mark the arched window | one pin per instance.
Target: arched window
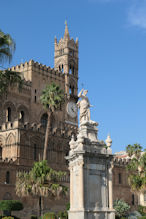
(44, 120)
(59, 68)
(120, 178)
(7, 177)
(133, 199)
(21, 116)
(70, 90)
(62, 69)
(8, 114)
(35, 152)
(70, 70)
(35, 98)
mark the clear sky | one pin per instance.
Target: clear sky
(112, 55)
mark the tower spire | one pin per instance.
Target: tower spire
(66, 33)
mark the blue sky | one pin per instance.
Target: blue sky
(112, 55)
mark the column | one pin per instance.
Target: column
(81, 185)
(110, 187)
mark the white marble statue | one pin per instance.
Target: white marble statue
(84, 106)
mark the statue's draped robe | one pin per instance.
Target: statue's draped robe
(84, 106)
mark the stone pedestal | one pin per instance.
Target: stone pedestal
(90, 176)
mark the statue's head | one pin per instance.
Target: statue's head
(85, 92)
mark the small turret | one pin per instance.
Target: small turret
(66, 33)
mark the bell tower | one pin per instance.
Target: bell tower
(66, 61)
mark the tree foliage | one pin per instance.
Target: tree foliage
(8, 79)
(10, 205)
(51, 98)
(41, 180)
(121, 207)
(136, 167)
(7, 47)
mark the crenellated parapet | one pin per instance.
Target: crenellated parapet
(19, 125)
(117, 161)
(63, 129)
(31, 66)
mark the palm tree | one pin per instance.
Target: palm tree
(130, 150)
(51, 98)
(7, 77)
(7, 47)
(40, 181)
(137, 150)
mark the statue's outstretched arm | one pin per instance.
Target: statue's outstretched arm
(79, 95)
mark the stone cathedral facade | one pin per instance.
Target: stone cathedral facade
(23, 121)
(23, 118)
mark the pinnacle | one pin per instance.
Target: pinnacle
(66, 33)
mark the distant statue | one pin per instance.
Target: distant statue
(84, 106)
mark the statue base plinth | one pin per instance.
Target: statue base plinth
(89, 130)
(92, 214)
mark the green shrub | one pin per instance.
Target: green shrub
(117, 217)
(68, 206)
(10, 205)
(143, 217)
(49, 215)
(63, 214)
(142, 210)
(121, 208)
(9, 217)
(34, 217)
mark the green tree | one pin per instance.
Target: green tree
(8, 78)
(121, 208)
(7, 47)
(40, 181)
(136, 168)
(10, 205)
(130, 150)
(51, 98)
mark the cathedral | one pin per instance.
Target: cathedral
(23, 121)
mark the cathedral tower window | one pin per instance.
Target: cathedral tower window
(62, 69)
(7, 177)
(21, 116)
(59, 68)
(133, 199)
(70, 69)
(35, 98)
(120, 178)
(8, 114)
(44, 120)
(70, 90)
(35, 152)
